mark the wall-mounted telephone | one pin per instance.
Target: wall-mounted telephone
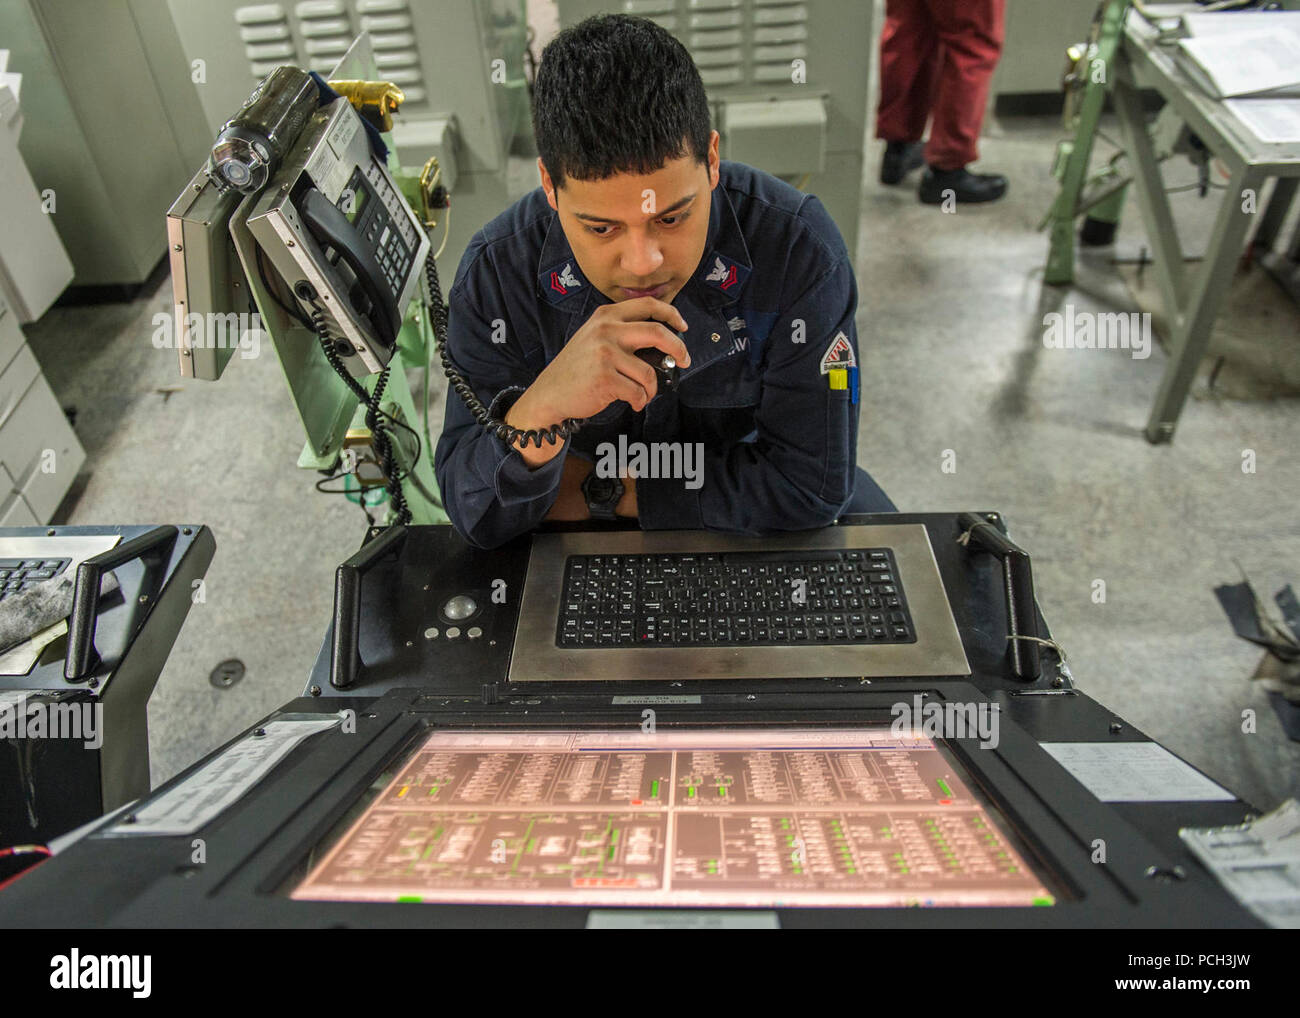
(335, 227)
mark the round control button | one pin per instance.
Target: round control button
(474, 632)
(431, 633)
(453, 632)
(462, 606)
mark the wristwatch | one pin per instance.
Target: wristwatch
(602, 494)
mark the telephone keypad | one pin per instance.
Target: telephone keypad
(385, 225)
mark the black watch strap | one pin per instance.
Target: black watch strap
(602, 494)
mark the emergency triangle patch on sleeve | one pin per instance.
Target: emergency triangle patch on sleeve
(839, 354)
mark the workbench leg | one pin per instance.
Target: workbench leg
(1193, 329)
(1074, 174)
(1275, 215)
(1152, 200)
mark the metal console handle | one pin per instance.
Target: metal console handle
(1018, 581)
(85, 597)
(345, 650)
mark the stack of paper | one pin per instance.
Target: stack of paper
(1244, 63)
(1221, 23)
(1257, 862)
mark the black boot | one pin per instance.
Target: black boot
(901, 157)
(965, 186)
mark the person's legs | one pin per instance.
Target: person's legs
(972, 33)
(908, 70)
(868, 497)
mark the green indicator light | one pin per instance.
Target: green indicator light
(943, 785)
(722, 790)
(409, 897)
(1044, 901)
(690, 792)
(654, 789)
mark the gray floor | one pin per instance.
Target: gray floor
(950, 325)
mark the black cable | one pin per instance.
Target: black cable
(502, 430)
(380, 438)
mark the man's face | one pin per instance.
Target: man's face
(639, 235)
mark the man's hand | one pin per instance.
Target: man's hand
(571, 503)
(597, 366)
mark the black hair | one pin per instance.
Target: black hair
(617, 94)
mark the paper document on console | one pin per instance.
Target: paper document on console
(1258, 862)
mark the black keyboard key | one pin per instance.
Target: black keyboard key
(728, 600)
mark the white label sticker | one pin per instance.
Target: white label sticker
(676, 919)
(186, 807)
(1135, 772)
(664, 698)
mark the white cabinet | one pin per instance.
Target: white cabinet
(40, 454)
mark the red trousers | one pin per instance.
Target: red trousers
(937, 57)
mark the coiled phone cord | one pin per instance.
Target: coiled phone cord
(510, 435)
(380, 436)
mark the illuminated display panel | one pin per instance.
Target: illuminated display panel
(756, 818)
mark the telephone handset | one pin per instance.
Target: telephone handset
(369, 293)
(337, 229)
(665, 366)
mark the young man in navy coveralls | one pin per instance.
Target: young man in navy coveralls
(637, 233)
